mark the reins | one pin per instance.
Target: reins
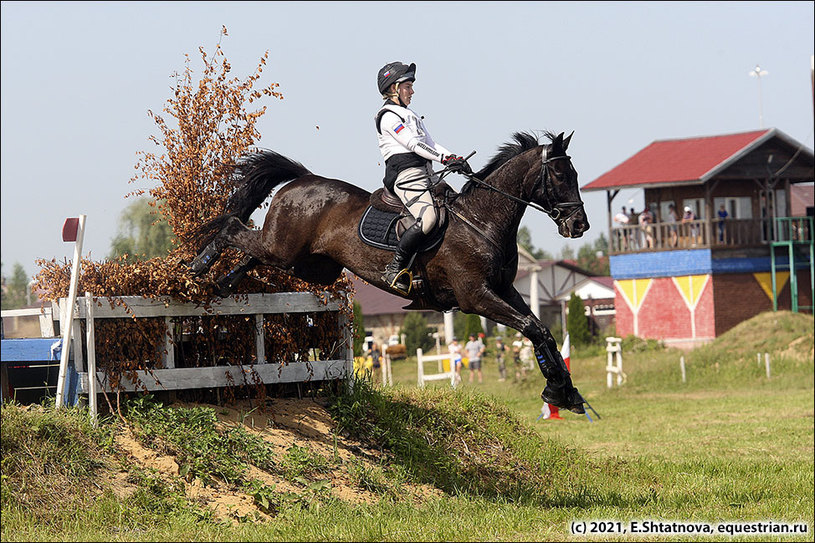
(555, 209)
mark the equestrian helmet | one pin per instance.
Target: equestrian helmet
(394, 72)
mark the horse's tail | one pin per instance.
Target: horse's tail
(255, 176)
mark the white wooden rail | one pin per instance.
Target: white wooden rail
(171, 378)
(424, 377)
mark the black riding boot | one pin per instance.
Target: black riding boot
(396, 273)
(559, 390)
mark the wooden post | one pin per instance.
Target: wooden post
(420, 364)
(682, 367)
(169, 343)
(767, 363)
(69, 313)
(260, 344)
(91, 343)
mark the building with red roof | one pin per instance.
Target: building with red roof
(685, 273)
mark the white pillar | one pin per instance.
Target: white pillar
(448, 327)
(534, 300)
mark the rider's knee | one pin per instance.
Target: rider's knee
(427, 220)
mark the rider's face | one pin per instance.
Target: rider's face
(405, 92)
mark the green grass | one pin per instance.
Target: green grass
(727, 445)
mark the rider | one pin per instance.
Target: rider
(408, 151)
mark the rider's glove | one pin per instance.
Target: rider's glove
(456, 164)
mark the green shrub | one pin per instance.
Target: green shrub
(577, 323)
(417, 333)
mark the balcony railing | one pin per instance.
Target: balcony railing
(699, 234)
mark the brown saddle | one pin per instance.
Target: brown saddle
(385, 200)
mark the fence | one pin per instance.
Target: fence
(170, 370)
(424, 377)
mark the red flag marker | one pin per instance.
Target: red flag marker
(550, 411)
(70, 229)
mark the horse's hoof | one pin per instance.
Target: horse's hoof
(225, 289)
(203, 261)
(564, 398)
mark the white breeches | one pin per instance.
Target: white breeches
(412, 186)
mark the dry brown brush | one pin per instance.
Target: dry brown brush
(190, 174)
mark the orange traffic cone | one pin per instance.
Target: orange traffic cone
(550, 411)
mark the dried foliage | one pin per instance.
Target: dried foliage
(191, 183)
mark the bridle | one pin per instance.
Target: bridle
(555, 209)
(552, 207)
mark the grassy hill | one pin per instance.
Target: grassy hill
(728, 445)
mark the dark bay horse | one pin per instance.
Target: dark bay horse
(310, 231)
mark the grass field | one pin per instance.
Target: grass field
(727, 446)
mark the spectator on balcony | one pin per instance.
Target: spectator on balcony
(722, 216)
(690, 217)
(673, 218)
(633, 237)
(622, 219)
(647, 227)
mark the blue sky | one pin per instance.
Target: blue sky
(79, 77)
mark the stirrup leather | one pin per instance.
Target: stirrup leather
(399, 274)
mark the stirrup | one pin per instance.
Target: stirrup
(398, 288)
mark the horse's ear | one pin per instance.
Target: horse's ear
(557, 143)
(566, 141)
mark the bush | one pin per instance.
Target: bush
(472, 326)
(416, 333)
(359, 330)
(577, 323)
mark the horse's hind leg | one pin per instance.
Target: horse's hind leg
(233, 234)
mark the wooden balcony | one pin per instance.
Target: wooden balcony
(706, 234)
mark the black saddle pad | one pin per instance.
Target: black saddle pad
(378, 229)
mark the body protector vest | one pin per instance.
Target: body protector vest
(404, 141)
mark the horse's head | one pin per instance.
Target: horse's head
(557, 191)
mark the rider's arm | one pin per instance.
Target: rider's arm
(408, 138)
(429, 140)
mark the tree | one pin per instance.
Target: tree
(16, 294)
(591, 256)
(525, 241)
(472, 326)
(213, 130)
(577, 323)
(567, 253)
(359, 330)
(143, 232)
(459, 324)
(417, 333)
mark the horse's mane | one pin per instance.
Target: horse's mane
(523, 141)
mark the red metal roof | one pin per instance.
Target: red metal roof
(674, 161)
(375, 301)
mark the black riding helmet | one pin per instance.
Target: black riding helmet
(394, 72)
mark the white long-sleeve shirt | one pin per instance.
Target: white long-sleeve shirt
(402, 131)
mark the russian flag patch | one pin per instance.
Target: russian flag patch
(398, 128)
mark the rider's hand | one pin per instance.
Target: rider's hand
(457, 164)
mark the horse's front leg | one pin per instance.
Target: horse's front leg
(229, 282)
(512, 311)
